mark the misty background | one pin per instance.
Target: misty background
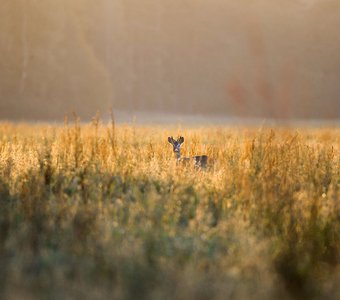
(261, 58)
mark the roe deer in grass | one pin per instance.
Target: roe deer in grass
(199, 161)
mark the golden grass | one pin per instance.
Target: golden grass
(103, 211)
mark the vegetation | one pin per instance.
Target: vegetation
(95, 211)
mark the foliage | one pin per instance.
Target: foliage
(103, 211)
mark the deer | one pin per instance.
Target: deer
(199, 161)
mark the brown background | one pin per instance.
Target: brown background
(275, 59)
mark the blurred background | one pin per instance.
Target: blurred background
(218, 58)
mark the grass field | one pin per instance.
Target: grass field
(98, 211)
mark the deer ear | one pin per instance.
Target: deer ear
(170, 140)
(181, 140)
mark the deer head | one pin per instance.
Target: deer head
(176, 145)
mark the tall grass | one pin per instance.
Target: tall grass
(103, 211)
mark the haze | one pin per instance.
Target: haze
(272, 59)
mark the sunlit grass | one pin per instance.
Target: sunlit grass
(103, 211)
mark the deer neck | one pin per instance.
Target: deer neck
(178, 155)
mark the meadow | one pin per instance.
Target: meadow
(102, 211)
